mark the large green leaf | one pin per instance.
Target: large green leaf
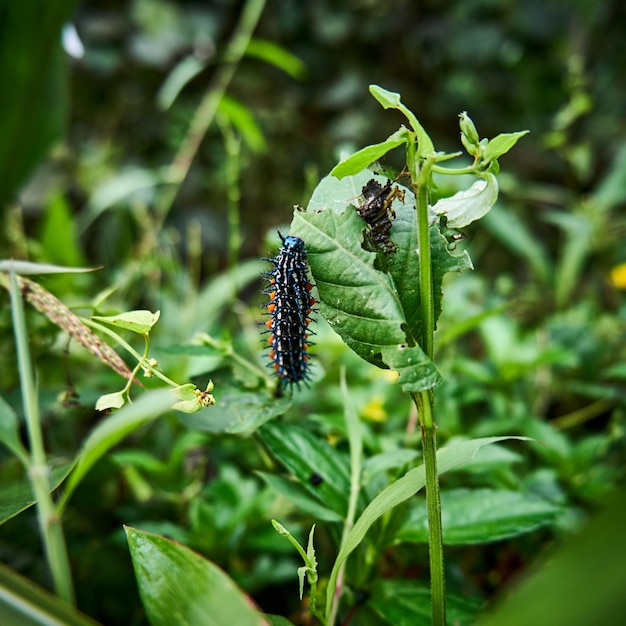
(372, 302)
(178, 586)
(33, 102)
(22, 603)
(399, 491)
(480, 516)
(407, 603)
(306, 456)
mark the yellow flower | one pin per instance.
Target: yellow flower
(618, 276)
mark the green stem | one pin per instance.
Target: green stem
(38, 470)
(205, 113)
(425, 400)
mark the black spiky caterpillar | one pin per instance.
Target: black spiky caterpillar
(290, 307)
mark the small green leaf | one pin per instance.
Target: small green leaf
(241, 117)
(387, 99)
(304, 455)
(140, 322)
(399, 491)
(276, 55)
(178, 586)
(501, 144)
(467, 206)
(179, 76)
(391, 100)
(115, 400)
(366, 156)
(472, 516)
(23, 603)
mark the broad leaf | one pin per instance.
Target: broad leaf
(178, 586)
(407, 603)
(374, 304)
(480, 516)
(321, 470)
(467, 206)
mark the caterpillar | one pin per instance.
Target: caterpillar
(290, 305)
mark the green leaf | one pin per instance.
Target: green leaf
(9, 431)
(174, 83)
(391, 100)
(469, 205)
(480, 516)
(376, 312)
(178, 586)
(140, 322)
(277, 620)
(23, 603)
(501, 144)
(59, 237)
(407, 603)
(241, 117)
(304, 455)
(115, 400)
(276, 55)
(236, 413)
(25, 268)
(110, 431)
(17, 496)
(33, 106)
(399, 491)
(366, 156)
(387, 99)
(295, 493)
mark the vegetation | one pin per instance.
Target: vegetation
(457, 457)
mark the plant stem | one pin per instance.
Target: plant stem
(38, 470)
(425, 400)
(205, 113)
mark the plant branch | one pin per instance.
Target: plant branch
(205, 113)
(38, 470)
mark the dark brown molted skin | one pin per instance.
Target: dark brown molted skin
(377, 212)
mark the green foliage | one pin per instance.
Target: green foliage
(191, 131)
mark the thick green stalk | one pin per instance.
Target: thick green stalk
(424, 400)
(38, 470)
